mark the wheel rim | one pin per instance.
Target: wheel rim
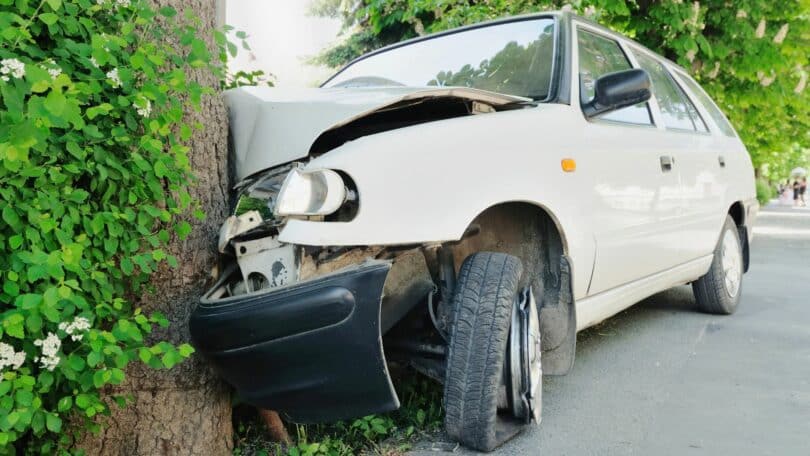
(523, 373)
(731, 261)
(534, 357)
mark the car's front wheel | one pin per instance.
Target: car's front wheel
(493, 379)
(718, 291)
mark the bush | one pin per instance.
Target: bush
(93, 178)
(764, 192)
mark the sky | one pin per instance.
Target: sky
(282, 37)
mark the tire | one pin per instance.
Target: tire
(481, 313)
(718, 291)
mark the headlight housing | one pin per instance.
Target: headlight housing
(310, 193)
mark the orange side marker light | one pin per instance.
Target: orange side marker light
(569, 165)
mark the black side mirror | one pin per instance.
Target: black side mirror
(618, 90)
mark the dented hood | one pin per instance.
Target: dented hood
(272, 126)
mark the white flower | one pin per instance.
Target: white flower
(113, 76)
(93, 62)
(802, 83)
(760, 32)
(9, 357)
(742, 14)
(765, 81)
(50, 350)
(75, 328)
(690, 55)
(781, 34)
(116, 3)
(54, 72)
(715, 71)
(145, 110)
(567, 8)
(590, 11)
(12, 67)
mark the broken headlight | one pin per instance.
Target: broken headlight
(309, 193)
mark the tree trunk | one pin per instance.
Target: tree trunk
(185, 410)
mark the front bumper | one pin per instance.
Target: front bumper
(312, 351)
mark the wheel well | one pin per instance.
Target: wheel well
(737, 212)
(532, 234)
(524, 230)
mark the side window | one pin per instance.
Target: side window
(599, 56)
(676, 109)
(704, 99)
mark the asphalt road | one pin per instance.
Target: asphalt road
(662, 379)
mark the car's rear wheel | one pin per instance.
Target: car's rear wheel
(718, 291)
(493, 378)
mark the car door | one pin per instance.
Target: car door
(633, 193)
(708, 169)
(687, 140)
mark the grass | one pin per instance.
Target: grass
(388, 434)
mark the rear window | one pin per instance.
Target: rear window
(704, 99)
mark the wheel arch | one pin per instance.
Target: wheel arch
(737, 213)
(532, 232)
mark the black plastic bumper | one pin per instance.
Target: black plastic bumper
(311, 351)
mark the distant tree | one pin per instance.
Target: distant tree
(750, 55)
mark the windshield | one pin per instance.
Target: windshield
(514, 58)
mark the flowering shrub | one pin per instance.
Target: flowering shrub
(93, 178)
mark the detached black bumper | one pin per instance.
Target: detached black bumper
(312, 351)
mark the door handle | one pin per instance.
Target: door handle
(667, 162)
(722, 161)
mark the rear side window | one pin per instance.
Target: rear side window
(704, 99)
(599, 56)
(677, 110)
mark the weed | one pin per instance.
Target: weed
(387, 434)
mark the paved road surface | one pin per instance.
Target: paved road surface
(661, 379)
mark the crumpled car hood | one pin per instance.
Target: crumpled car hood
(272, 126)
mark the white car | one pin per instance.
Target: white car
(464, 203)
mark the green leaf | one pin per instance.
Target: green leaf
(76, 362)
(13, 325)
(183, 229)
(55, 103)
(185, 350)
(83, 401)
(28, 301)
(126, 266)
(160, 169)
(48, 18)
(11, 217)
(15, 241)
(53, 422)
(24, 397)
(55, 4)
(65, 404)
(94, 358)
(168, 11)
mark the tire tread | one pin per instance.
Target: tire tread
(481, 314)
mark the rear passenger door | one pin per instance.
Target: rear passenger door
(692, 148)
(632, 195)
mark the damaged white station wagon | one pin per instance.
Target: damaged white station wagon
(464, 203)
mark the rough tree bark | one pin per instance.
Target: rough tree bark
(185, 410)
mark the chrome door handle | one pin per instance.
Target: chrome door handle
(667, 162)
(722, 161)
